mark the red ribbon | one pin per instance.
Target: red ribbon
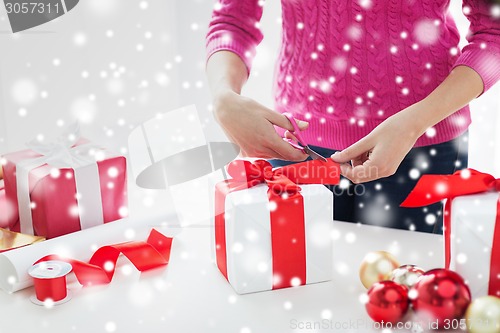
(54, 289)
(287, 221)
(434, 188)
(153, 253)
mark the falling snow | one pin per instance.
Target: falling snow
(115, 87)
(427, 32)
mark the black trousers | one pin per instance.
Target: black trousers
(377, 202)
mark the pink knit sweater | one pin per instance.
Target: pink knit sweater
(346, 65)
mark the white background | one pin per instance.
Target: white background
(113, 64)
(160, 45)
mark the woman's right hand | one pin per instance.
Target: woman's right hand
(250, 125)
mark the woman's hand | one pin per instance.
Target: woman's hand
(250, 125)
(247, 123)
(380, 153)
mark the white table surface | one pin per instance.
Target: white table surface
(190, 295)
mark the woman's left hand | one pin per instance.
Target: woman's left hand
(380, 153)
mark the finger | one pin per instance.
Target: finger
(286, 150)
(352, 152)
(290, 136)
(358, 174)
(370, 170)
(282, 121)
(279, 156)
(265, 153)
(358, 161)
(302, 124)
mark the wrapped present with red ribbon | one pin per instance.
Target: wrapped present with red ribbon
(271, 233)
(64, 186)
(3, 204)
(471, 224)
(8, 213)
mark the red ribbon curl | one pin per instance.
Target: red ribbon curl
(153, 253)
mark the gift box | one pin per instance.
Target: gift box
(64, 186)
(3, 204)
(6, 209)
(271, 233)
(471, 225)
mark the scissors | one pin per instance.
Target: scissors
(301, 144)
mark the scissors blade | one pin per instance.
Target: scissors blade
(314, 155)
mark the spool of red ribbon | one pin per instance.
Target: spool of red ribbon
(50, 282)
(49, 273)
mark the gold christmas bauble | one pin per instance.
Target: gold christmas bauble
(483, 315)
(377, 266)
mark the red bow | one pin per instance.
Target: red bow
(434, 188)
(246, 174)
(287, 222)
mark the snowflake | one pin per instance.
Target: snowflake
(414, 173)
(110, 326)
(431, 132)
(354, 32)
(24, 91)
(495, 11)
(366, 4)
(461, 258)
(80, 39)
(426, 32)
(326, 314)
(350, 237)
(295, 281)
(325, 86)
(430, 219)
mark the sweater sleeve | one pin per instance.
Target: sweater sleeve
(235, 27)
(482, 53)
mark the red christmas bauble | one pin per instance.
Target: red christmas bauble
(387, 302)
(440, 295)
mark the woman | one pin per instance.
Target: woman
(381, 85)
